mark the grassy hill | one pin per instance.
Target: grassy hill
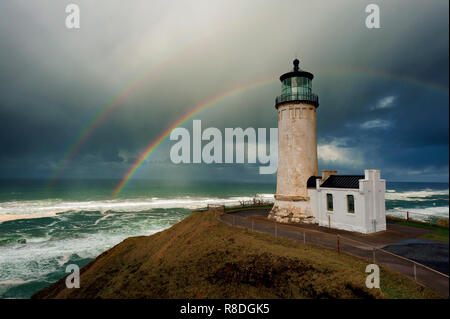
(202, 258)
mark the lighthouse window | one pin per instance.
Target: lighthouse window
(296, 82)
(351, 204)
(330, 202)
(286, 86)
(296, 85)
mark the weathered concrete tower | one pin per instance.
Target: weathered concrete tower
(297, 147)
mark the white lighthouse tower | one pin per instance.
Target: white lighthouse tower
(297, 147)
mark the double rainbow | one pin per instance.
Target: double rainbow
(103, 113)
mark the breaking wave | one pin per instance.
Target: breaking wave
(49, 208)
(421, 195)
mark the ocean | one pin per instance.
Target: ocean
(45, 227)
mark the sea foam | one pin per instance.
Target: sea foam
(47, 208)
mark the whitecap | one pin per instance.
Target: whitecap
(422, 195)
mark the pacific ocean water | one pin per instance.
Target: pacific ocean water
(45, 227)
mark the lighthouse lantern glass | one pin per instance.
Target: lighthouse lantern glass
(296, 85)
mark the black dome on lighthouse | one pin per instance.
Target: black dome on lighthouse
(297, 72)
(296, 87)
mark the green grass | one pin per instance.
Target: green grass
(439, 233)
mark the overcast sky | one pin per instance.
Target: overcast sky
(384, 95)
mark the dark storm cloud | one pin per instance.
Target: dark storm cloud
(54, 81)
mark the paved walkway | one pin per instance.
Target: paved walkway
(396, 239)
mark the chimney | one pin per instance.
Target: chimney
(372, 174)
(327, 173)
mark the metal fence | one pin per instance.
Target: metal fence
(414, 216)
(422, 274)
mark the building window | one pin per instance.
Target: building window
(351, 204)
(330, 202)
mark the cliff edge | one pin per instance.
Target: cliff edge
(203, 258)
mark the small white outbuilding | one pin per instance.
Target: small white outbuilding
(349, 202)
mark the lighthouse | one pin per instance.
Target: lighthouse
(297, 147)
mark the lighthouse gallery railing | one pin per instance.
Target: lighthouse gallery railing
(309, 97)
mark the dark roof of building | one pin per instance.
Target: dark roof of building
(342, 181)
(312, 181)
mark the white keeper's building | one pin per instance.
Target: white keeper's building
(350, 202)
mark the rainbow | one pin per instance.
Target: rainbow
(210, 102)
(198, 108)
